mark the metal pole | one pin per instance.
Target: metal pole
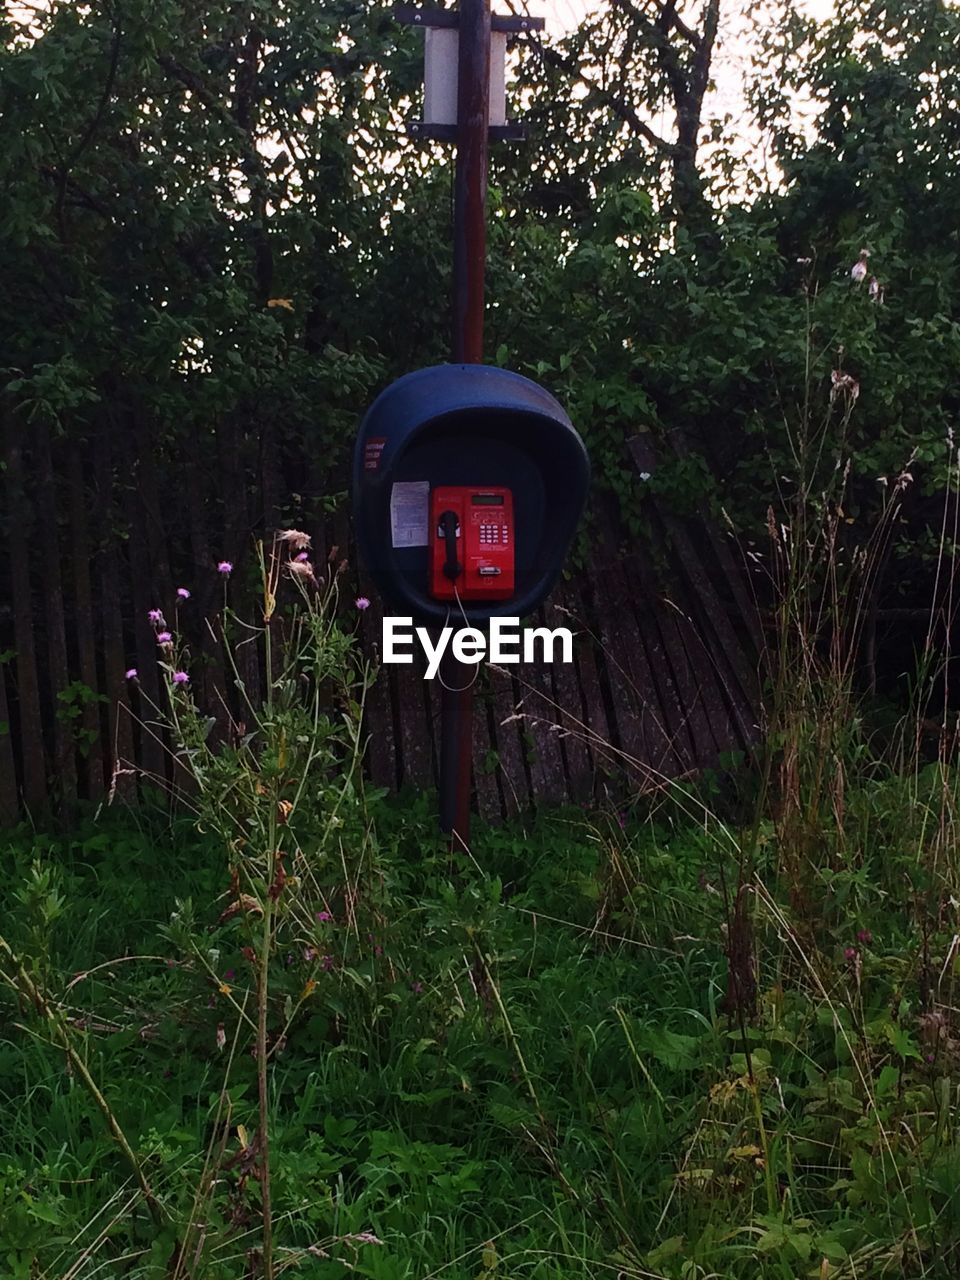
(469, 260)
(470, 201)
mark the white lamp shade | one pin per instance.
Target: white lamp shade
(441, 51)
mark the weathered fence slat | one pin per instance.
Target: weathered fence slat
(484, 755)
(510, 751)
(569, 705)
(378, 726)
(722, 650)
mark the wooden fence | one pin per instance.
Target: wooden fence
(664, 679)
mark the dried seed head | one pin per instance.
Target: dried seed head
(302, 569)
(294, 538)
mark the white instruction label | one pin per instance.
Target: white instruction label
(409, 513)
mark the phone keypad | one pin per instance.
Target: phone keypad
(494, 535)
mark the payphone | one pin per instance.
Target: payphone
(473, 540)
(468, 483)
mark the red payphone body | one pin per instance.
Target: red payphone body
(472, 537)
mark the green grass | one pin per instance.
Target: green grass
(517, 1067)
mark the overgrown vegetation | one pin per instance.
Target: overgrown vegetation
(710, 1033)
(204, 256)
(524, 1065)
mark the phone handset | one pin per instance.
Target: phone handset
(449, 526)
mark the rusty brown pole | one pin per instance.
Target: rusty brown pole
(469, 262)
(470, 201)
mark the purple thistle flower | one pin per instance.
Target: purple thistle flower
(130, 673)
(324, 917)
(164, 637)
(302, 555)
(850, 953)
(155, 616)
(362, 603)
(181, 677)
(183, 593)
(225, 567)
(865, 937)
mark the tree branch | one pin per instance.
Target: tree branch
(700, 73)
(621, 109)
(91, 129)
(671, 18)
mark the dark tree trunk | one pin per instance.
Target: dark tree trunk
(684, 56)
(91, 722)
(690, 202)
(64, 744)
(28, 685)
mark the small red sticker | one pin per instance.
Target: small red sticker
(371, 453)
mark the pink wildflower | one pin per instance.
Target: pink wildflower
(225, 567)
(130, 673)
(181, 677)
(183, 593)
(362, 603)
(164, 637)
(156, 616)
(324, 916)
